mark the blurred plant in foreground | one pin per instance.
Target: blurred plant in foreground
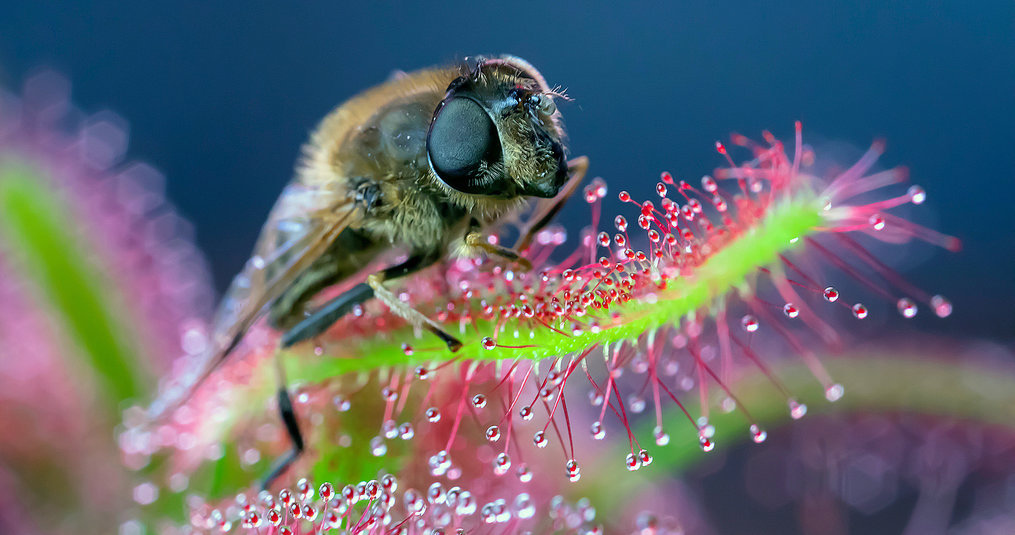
(98, 281)
(573, 375)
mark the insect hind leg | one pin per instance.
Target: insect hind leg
(292, 427)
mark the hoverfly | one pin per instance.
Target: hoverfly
(422, 163)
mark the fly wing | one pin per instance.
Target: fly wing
(301, 226)
(308, 216)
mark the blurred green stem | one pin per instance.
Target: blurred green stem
(42, 237)
(874, 383)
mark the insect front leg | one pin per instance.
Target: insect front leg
(477, 240)
(548, 208)
(544, 213)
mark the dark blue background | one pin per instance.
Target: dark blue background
(220, 95)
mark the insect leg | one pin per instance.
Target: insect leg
(323, 318)
(546, 210)
(327, 315)
(413, 316)
(476, 239)
(285, 409)
(544, 213)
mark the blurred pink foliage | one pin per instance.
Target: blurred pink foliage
(58, 447)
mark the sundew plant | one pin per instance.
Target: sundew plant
(695, 319)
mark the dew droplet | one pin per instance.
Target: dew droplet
(390, 429)
(661, 189)
(285, 496)
(749, 323)
(831, 294)
(790, 310)
(501, 464)
(350, 494)
(341, 403)
(632, 462)
(436, 494)
(797, 410)
(414, 502)
(526, 413)
(524, 473)
(493, 433)
(574, 472)
(422, 373)
(644, 457)
(433, 414)
(305, 489)
(251, 520)
(758, 435)
(709, 184)
(662, 438)
(479, 401)
(406, 432)
(489, 343)
(524, 507)
(706, 444)
(540, 440)
(620, 223)
(916, 194)
(834, 392)
(942, 307)
(636, 404)
(439, 463)
(378, 447)
(326, 491)
(859, 311)
(906, 307)
(876, 221)
(332, 520)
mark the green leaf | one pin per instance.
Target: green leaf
(40, 234)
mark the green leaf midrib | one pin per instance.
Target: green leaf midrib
(725, 271)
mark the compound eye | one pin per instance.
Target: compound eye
(462, 138)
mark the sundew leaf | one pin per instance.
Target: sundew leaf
(40, 233)
(727, 270)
